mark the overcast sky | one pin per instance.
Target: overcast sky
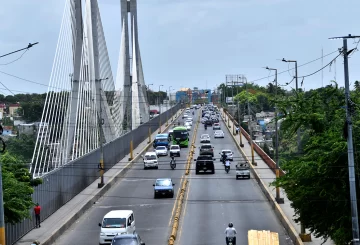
(188, 43)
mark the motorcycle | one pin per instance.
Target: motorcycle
(231, 241)
(173, 164)
(205, 127)
(193, 113)
(227, 169)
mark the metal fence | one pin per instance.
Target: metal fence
(60, 186)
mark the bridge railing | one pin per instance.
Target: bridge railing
(265, 157)
(60, 186)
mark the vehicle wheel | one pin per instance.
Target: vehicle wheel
(213, 171)
(248, 177)
(157, 167)
(144, 167)
(172, 195)
(196, 171)
(237, 177)
(179, 155)
(155, 196)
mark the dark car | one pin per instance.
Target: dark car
(163, 187)
(208, 122)
(206, 149)
(127, 239)
(205, 163)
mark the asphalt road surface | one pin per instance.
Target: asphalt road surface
(215, 200)
(135, 191)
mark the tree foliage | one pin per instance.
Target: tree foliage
(18, 188)
(316, 181)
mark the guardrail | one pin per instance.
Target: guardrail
(265, 157)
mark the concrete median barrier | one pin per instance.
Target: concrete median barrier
(277, 209)
(180, 201)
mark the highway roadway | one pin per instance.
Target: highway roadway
(134, 191)
(212, 201)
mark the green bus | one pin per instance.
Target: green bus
(180, 136)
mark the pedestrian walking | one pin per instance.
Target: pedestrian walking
(37, 210)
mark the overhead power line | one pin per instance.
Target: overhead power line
(30, 45)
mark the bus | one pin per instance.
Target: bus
(161, 140)
(181, 136)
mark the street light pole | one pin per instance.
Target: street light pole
(277, 198)
(350, 151)
(298, 138)
(159, 109)
(101, 140)
(250, 130)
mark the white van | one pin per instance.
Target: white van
(116, 222)
(150, 160)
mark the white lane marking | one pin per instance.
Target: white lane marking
(136, 205)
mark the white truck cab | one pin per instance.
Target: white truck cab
(116, 222)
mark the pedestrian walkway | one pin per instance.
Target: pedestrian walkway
(52, 227)
(268, 176)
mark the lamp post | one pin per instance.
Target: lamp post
(250, 129)
(277, 198)
(350, 150)
(101, 139)
(159, 109)
(147, 92)
(296, 87)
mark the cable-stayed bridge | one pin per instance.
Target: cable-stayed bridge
(84, 102)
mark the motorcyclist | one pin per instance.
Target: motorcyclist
(227, 164)
(230, 233)
(223, 157)
(205, 126)
(193, 113)
(172, 162)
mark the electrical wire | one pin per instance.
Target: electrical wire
(15, 59)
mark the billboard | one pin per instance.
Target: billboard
(229, 100)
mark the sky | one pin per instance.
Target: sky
(193, 43)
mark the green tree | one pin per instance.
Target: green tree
(316, 181)
(22, 147)
(18, 188)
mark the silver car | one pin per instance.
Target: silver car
(219, 134)
(161, 151)
(205, 138)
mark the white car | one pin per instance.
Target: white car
(161, 151)
(189, 121)
(185, 116)
(229, 154)
(219, 134)
(205, 138)
(188, 126)
(189, 118)
(216, 126)
(150, 160)
(175, 150)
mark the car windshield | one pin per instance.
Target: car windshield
(114, 223)
(227, 151)
(150, 157)
(125, 241)
(175, 147)
(161, 140)
(160, 148)
(204, 136)
(205, 146)
(163, 182)
(218, 132)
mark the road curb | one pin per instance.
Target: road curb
(179, 204)
(89, 203)
(278, 211)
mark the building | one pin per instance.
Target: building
(13, 109)
(184, 95)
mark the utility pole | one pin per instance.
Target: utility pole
(277, 198)
(241, 143)
(350, 151)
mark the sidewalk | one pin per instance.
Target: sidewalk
(268, 176)
(53, 227)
